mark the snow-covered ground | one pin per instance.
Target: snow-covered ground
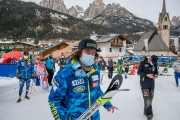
(166, 103)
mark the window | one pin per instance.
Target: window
(110, 49)
(120, 49)
(165, 18)
(6, 47)
(165, 26)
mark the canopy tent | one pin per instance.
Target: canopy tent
(13, 55)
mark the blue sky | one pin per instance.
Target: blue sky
(148, 9)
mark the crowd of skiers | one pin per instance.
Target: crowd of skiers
(76, 85)
(41, 71)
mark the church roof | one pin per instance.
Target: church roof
(155, 42)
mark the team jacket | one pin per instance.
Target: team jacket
(25, 69)
(147, 68)
(176, 66)
(71, 96)
(49, 62)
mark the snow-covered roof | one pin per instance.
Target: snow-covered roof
(107, 38)
(12, 42)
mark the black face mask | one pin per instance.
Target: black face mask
(50, 56)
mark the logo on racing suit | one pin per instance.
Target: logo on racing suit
(95, 78)
(79, 89)
(78, 82)
(22, 63)
(94, 84)
(28, 64)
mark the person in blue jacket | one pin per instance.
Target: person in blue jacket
(25, 71)
(76, 87)
(50, 67)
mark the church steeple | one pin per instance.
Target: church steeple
(164, 24)
(164, 8)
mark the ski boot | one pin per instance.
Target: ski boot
(19, 100)
(27, 97)
(149, 117)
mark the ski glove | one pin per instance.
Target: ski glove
(32, 76)
(103, 100)
(19, 76)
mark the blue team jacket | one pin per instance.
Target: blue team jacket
(25, 69)
(71, 96)
(50, 64)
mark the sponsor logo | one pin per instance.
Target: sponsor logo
(95, 78)
(78, 82)
(79, 89)
(146, 65)
(94, 84)
(22, 63)
(91, 45)
(29, 64)
(115, 83)
(54, 111)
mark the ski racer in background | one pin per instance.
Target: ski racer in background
(25, 71)
(50, 67)
(102, 65)
(77, 86)
(176, 67)
(42, 73)
(148, 72)
(62, 61)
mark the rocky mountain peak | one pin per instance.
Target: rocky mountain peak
(175, 26)
(78, 8)
(57, 5)
(94, 9)
(72, 11)
(175, 20)
(98, 3)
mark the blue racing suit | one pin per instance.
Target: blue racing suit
(25, 71)
(71, 96)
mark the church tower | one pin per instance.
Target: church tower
(164, 25)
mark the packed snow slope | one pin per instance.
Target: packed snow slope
(166, 103)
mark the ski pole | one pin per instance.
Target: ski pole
(32, 87)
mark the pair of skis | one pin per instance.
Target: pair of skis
(110, 92)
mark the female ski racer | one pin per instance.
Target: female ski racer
(42, 73)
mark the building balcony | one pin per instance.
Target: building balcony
(22, 49)
(117, 44)
(120, 44)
